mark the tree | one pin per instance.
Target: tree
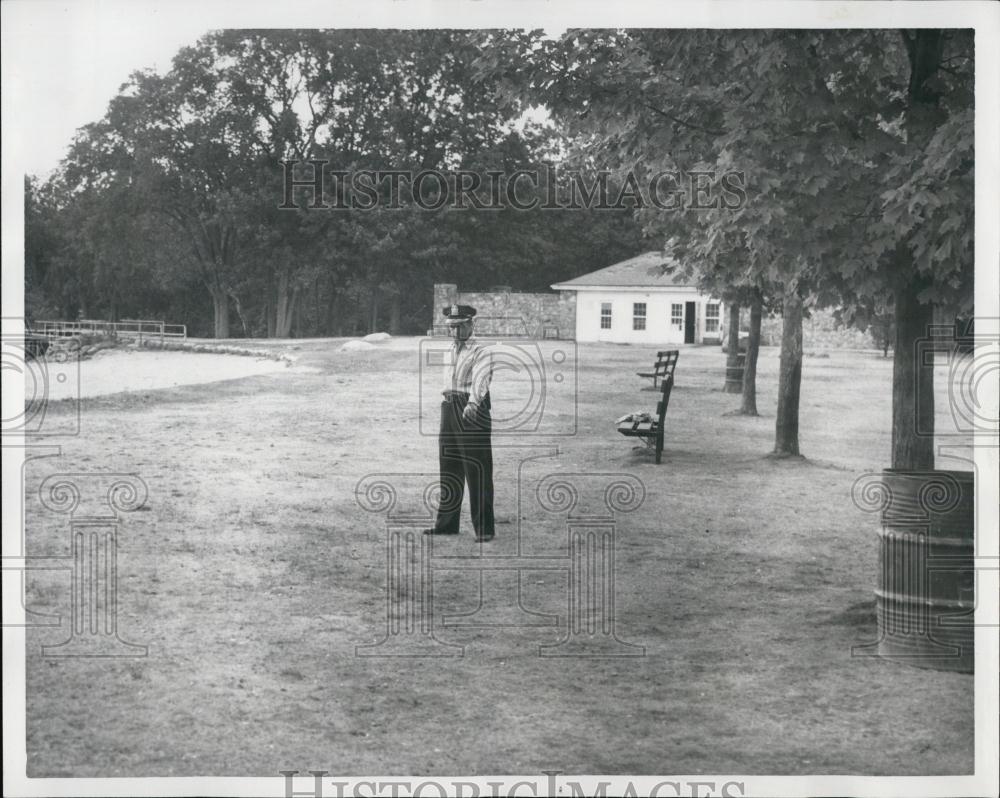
(93, 252)
(931, 213)
(813, 120)
(733, 345)
(46, 285)
(153, 152)
(748, 407)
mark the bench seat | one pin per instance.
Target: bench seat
(651, 430)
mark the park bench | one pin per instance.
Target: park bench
(666, 362)
(648, 428)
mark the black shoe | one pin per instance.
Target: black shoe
(436, 531)
(485, 538)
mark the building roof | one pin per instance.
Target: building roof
(642, 271)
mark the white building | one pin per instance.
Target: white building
(637, 302)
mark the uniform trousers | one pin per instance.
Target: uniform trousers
(466, 458)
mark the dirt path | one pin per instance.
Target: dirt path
(254, 575)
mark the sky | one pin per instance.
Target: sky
(64, 61)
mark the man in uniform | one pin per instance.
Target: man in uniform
(464, 445)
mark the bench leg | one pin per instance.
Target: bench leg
(659, 448)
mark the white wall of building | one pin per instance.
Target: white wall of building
(660, 327)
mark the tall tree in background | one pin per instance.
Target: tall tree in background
(359, 99)
(194, 157)
(153, 149)
(49, 286)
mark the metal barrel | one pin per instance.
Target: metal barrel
(926, 592)
(734, 375)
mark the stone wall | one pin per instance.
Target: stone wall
(819, 331)
(511, 313)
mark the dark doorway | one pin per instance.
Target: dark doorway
(689, 322)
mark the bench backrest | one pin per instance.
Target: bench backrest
(666, 362)
(661, 406)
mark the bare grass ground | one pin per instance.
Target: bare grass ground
(254, 573)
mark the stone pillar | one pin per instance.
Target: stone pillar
(444, 294)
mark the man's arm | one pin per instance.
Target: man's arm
(482, 375)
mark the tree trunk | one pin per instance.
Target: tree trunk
(317, 308)
(220, 305)
(912, 384)
(786, 428)
(239, 312)
(285, 306)
(373, 322)
(296, 313)
(332, 316)
(346, 316)
(394, 315)
(733, 347)
(281, 305)
(749, 407)
(269, 319)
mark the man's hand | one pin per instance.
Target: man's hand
(470, 412)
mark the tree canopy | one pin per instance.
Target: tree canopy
(856, 148)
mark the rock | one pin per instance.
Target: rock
(357, 346)
(377, 338)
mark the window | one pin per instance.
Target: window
(639, 316)
(712, 318)
(605, 315)
(677, 316)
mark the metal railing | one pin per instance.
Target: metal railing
(140, 329)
